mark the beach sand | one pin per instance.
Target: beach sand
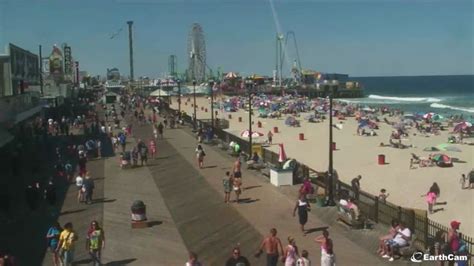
(358, 155)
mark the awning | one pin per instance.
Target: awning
(5, 137)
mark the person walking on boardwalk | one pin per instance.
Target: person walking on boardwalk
(143, 150)
(227, 183)
(89, 188)
(302, 205)
(95, 242)
(270, 137)
(291, 252)
(272, 247)
(200, 155)
(237, 259)
(52, 238)
(80, 189)
(155, 131)
(356, 186)
(160, 130)
(66, 244)
(237, 187)
(237, 168)
(327, 249)
(152, 146)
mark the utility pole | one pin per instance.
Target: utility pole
(41, 69)
(130, 44)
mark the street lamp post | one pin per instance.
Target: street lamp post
(330, 180)
(179, 98)
(194, 96)
(211, 84)
(249, 85)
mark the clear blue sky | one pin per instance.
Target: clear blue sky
(361, 38)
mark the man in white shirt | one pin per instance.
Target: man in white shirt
(79, 184)
(400, 239)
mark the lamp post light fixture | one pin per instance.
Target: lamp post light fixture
(194, 96)
(211, 85)
(249, 84)
(330, 178)
(179, 98)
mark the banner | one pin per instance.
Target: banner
(45, 65)
(56, 63)
(67, 60)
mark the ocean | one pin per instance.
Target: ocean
(445, 95)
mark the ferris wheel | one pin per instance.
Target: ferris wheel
(197, 54)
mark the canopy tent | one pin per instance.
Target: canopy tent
(231, 75)
(162, 93)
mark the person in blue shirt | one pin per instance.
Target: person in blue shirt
(53, 238)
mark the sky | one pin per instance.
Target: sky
(356, 37)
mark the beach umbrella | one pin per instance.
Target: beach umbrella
(428, 115)
(442, 160)
(462, 126)
(246, 134)
(440, 157)
(367, 109)
(281, 153)
(437, 117)
(447, 147)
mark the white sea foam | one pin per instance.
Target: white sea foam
(444, 106)
(405, 99)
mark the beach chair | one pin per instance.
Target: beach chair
(416, 158)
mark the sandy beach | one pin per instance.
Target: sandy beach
(358, 155)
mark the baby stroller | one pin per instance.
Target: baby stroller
(125, 159)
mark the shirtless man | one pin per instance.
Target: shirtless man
(236, 168)
(270, 245)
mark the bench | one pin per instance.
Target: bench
(255, 166)
(347, 216)
(413, 245)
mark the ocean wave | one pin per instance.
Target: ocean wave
(405, 99)
(444, 106)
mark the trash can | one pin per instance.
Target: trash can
(240, 119)
(259, 124)
(230, 116)
(381, 159)
(138, 211)
(301, 136)
(275, 130)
